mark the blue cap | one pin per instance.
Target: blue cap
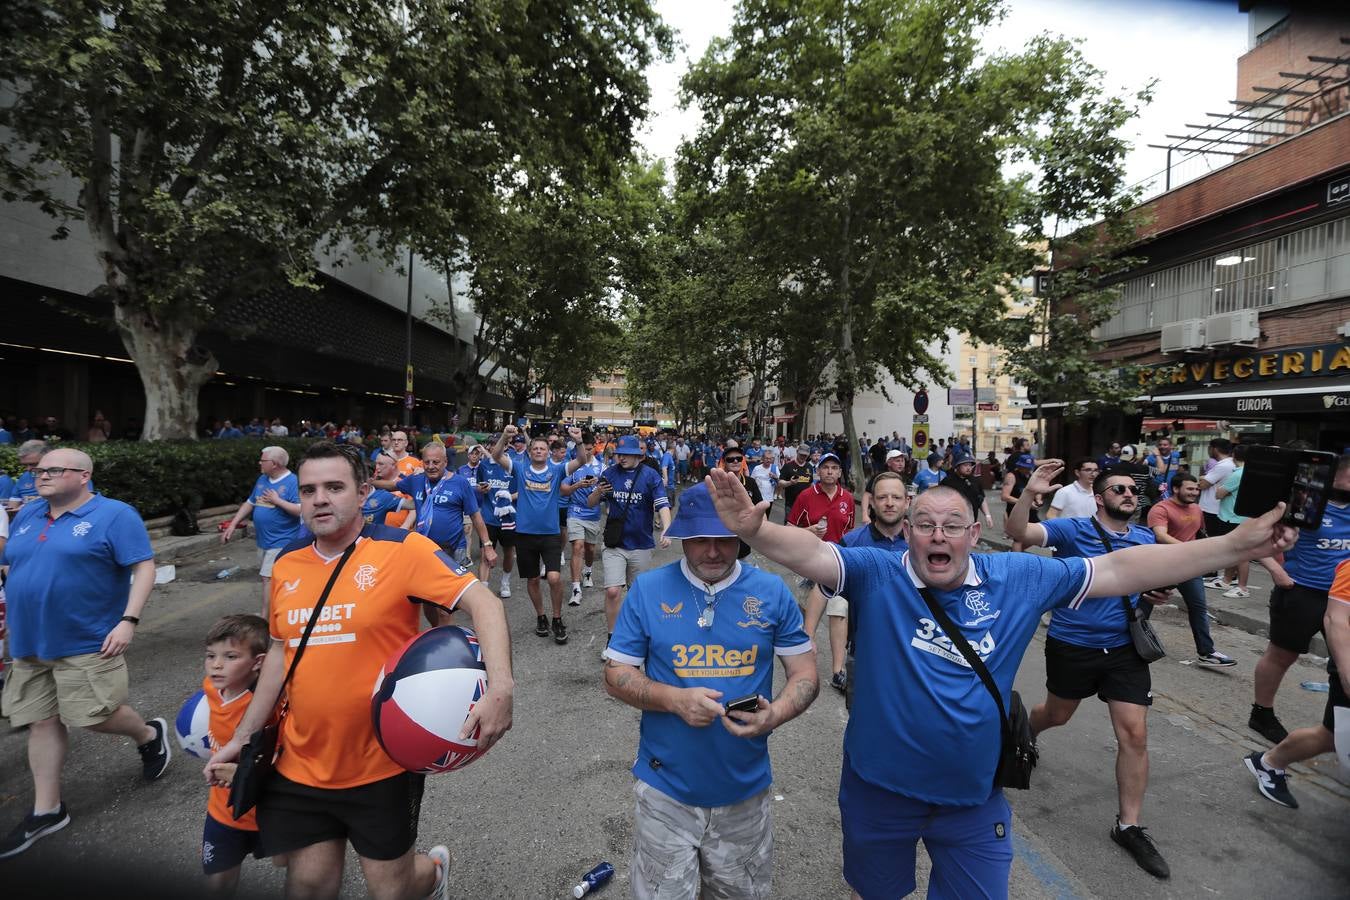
(1026, 460)
(696, 517)
(628, 445)
(826, 457)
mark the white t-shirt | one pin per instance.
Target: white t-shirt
(764, 477)
(681, 452)
(1074, 501)
(1209, 501)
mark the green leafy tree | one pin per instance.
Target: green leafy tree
(866, 142)
(214, 146)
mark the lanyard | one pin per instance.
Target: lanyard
(433, 491)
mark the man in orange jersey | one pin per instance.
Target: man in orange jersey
(333, 783)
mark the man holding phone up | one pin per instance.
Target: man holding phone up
(693, 649)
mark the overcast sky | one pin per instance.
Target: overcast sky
(1190, 46)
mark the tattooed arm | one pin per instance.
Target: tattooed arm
(803, 683)
(696, 705)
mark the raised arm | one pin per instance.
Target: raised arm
(583, 450)
(1135, 569)
(1018, 525)
(498, 452)
(797, 548)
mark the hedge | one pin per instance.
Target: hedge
(162, 478)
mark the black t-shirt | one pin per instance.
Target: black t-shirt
(878, 452)
(970, 487)
(788, 475)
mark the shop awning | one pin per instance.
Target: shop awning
(1256, 401)
(736, 416)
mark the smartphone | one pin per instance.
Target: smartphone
(1298, 478)
(748, 703)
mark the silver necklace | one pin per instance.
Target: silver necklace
(705, 619)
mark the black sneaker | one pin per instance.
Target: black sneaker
(541, 626)
(839, 681)
(1264, 723)
(1141, 847)
(33, 829)
(1272, 783)
(559, 632)
(155, 753)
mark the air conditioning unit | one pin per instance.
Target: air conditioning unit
(1188, 334)
(1232, 328)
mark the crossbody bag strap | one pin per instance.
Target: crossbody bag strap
(969, 653)
(1106, 542)
(314, 616)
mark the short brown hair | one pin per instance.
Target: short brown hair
(888, 475)
(241, 628)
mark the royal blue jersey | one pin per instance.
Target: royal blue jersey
(537, 496)
(578, 508)
(6, 486)
(274, 526)
(868, 536)
(754, 618)
(638, 493)
(379, 504)
(69, 578)
(441, 506)
(497, 479)
(1312, 561)
(1100, 621)
(25, 487)
(922, 724)
(926, 478)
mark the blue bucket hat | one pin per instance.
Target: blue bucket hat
(1025, 461)
(628, 445)
(696, 517)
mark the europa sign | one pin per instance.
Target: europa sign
(1296, 362)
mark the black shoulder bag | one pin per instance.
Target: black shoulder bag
(1146, 640)
(614, 524)
(1018, 755)
(258, 757)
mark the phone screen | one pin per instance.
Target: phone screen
(1297, 478)
(1308, 494)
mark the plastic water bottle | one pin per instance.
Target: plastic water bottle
(1320, 687)
(593, 879)
(226, 573)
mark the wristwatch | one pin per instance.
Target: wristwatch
(134, 620)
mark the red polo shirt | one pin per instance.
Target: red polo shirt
(813, 504)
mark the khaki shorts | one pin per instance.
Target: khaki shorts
(622, 566)
(725, 850)
(587, 530)
(837, 607)
(266, 557)
(83, 690)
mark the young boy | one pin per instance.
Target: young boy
(235, 648)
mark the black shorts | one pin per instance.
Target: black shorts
(1335, 697)
(1295, 616)
(502, 537)
(224, 846)
(1216, 527)
(531, 548)
(1074, 672)
(380, 819)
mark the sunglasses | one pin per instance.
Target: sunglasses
(732, 460)
(1119, 489)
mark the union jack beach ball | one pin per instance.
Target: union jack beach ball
(423, 695)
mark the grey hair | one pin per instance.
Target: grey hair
(278, 455)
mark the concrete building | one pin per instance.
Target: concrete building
(1240, 312)
(606, 403)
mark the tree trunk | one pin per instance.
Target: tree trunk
(173, 368)
(846, 378)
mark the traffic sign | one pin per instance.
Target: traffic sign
(408, 400)
(987, 407)
(920, 435)
(920, 419)
(921, 402)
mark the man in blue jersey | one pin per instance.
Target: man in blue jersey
(381, 502)
(1089, 650)
(888, 504)
(443, 502)
(80, 571)
(1298, 602)
(923, 738)
(693, 636)
(537, 484)
(25, 486)
(636, 495)
(274, 505)
(496, 503)
(583, 524)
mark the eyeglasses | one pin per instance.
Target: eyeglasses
(1119, 489)
(54, 471)
(950, 529)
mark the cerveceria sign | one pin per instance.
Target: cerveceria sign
(1295, 362)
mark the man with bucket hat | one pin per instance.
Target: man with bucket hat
(636, 495)
(692, 637)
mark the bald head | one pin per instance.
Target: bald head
(70, 458)
(72, 484)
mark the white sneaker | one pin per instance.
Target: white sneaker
(1236, 592)
(575, 599)
(440, 855)
(586, 580)
(1218, 584)
(505, 593)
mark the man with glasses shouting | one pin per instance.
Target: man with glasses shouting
(80, 571)
(923, 738)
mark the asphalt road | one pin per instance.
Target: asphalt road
(554, 797)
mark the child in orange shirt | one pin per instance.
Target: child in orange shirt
(235, 648)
